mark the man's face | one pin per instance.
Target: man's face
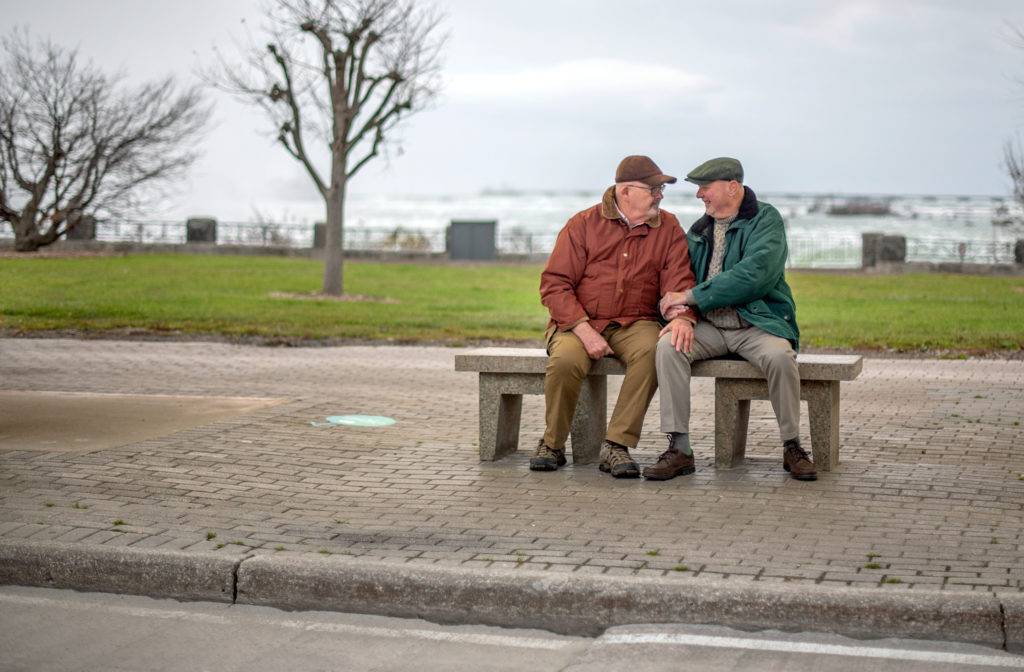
(719, 197)
(639, 198)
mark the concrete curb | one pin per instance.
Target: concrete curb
(1012, 605)
(567, 604)
(587, 605)
(182, 576)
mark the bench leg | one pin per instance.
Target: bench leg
(823, 411)
(590, 420)
(732, 414)
(499, 420)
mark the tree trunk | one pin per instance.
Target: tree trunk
(25, 245)
(334, 248)
(27, 238)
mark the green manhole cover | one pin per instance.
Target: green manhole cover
(357, 421)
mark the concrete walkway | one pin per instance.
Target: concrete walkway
(928, 499)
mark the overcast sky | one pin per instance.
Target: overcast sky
(913, 96)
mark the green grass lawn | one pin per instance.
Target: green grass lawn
(232, 296)
(915, 312)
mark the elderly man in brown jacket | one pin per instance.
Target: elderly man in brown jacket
(610, 265)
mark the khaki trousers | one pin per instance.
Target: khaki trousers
(773, 355)
(568, 365)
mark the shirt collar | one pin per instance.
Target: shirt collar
(625, 219)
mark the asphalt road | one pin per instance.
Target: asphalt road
(43, 629)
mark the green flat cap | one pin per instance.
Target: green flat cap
(722, 168)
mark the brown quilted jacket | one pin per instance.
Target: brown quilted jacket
(604, 271)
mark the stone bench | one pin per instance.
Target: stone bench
(506, 374)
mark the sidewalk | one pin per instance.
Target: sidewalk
(930, 487)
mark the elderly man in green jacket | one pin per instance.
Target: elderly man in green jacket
(738, 255)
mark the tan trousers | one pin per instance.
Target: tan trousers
(568, 365)
(773, 355)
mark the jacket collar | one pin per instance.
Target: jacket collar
(609, 210)
(748, 209)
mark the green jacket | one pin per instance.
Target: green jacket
(753, 273)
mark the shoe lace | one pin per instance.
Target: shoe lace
(797, 453)
(667, 455)
(546, 451)
(619, 455)
(671, 450)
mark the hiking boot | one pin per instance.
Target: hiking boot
(615, 460)
(547, 458)
(796, 462)
(670, 464)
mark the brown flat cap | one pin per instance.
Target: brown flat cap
(641, 169)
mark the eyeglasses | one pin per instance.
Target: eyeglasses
(653, 191)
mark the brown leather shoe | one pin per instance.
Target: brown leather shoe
(546, 458)
(796, 462)
(670, 464)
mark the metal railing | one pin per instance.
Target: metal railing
(839, 251)
(517, 241)
(824, 252)
(228, 233)
(846, 251)
(960, 251)
(398, 239)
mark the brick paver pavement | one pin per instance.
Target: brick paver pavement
(929, 494)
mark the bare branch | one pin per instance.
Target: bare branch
(292, 130)
(326, 47)
(378, 138)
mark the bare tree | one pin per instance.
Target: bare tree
(344, 72)
(76, 142)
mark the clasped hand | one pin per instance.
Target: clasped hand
(593, 342)
(682, 334)
(674, 303)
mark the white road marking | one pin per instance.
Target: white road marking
(297, 624)
(782, 646)
(437, 635)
